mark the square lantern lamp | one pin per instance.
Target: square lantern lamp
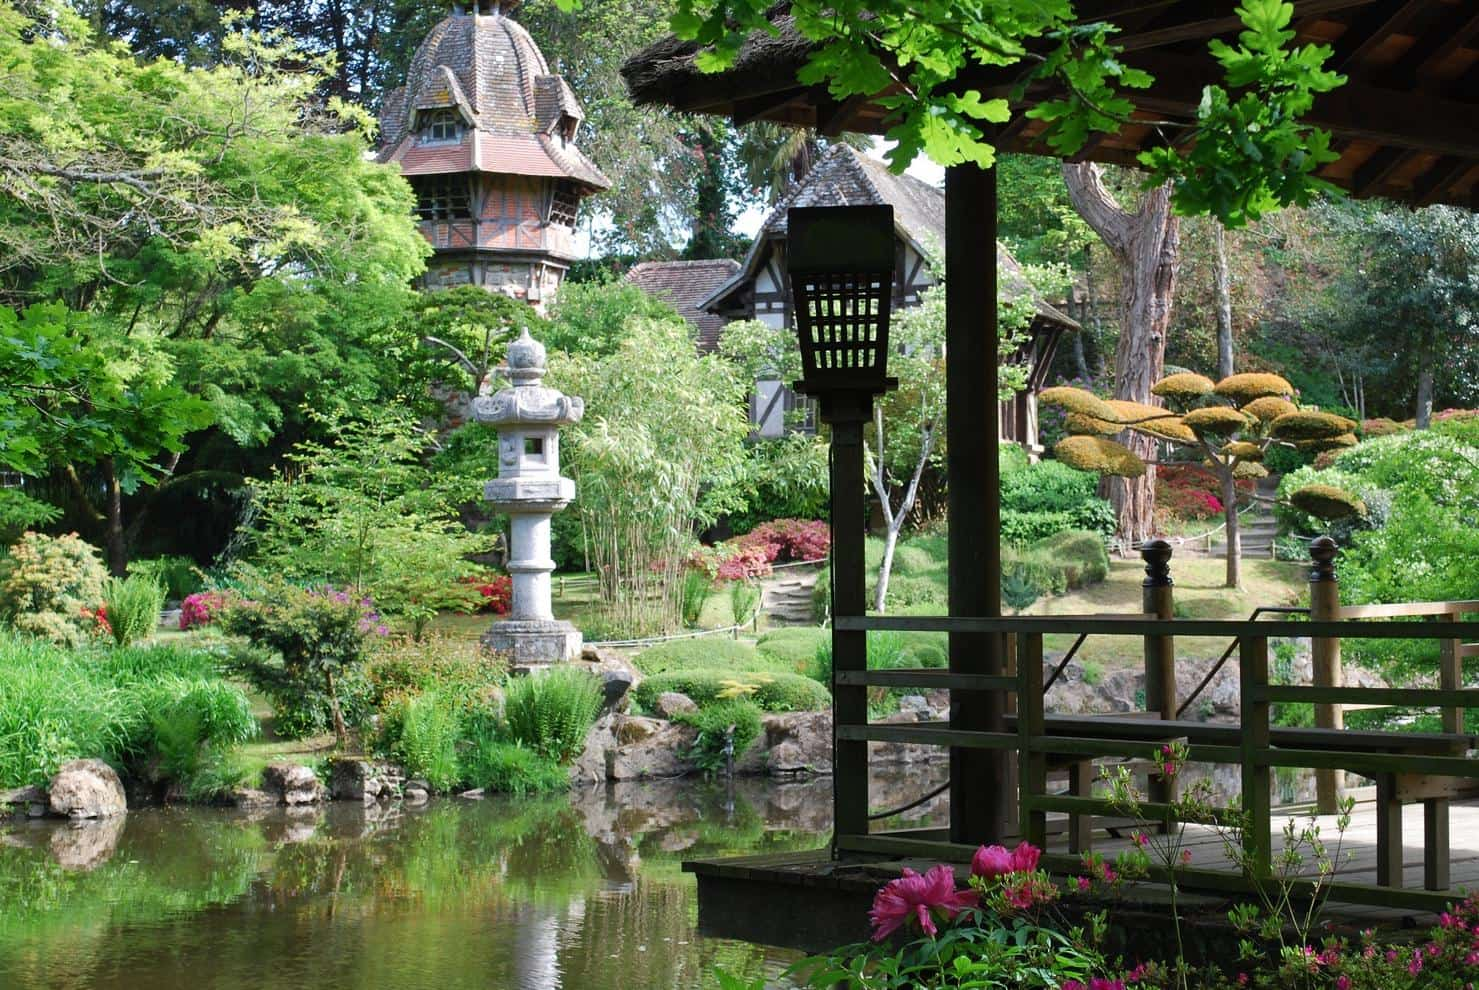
(840, 262)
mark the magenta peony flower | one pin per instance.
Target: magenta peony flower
(917, 897)
(991, 862)
(1025, 857)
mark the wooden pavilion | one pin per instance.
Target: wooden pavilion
(1406, 126)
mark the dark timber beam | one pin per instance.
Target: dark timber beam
(754, 107)
(1376, 170)
(1433, 185)
(1460, 37)
(1199, 26)
(981, 801)
(1371, 28)
(834, 116)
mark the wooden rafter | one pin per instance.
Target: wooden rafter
(1450, 42)
(1371, 27)
(1376, 170)
(1434, 184)
(1432, 43)
(753, 108)
(1197, 25)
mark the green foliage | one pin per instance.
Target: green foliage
(126, 706)
(133, 605)
(320, 642)
(1019, 588)
(791, 648)
(698, 588)
(726, 729)
(363, 514)
(178, 576)
(510, 768)
(744, 600)
(47, 583)
(1050, 497)
(821, 597)
(594, 318)
(783, 478)
(424, 730)
(1080, 555)
(711, 652)
(774, 692)
(551, 713)
(456, 670)
(650, 461)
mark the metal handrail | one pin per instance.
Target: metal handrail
(1227, 653)
(1064, 664)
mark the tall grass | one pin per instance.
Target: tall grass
(551, 713)
(430, 726)
(133, 605)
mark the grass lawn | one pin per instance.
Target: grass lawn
(1198, 595)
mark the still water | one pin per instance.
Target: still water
(580, 892)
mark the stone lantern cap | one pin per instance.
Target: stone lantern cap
(527, 402)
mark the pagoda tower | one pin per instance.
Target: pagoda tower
(486, 135)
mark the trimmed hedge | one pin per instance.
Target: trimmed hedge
(774, 692)
(708, 653)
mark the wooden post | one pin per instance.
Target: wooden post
(1325, 657)
(1253, 677)
(1156, 593)
(1436, 810)
(1032, 767)
(980, 779)
(849, 648)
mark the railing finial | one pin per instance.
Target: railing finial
(1157, 557)
(1322, 554)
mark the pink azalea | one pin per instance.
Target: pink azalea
(1342, 982)
(991, 862)
(917, 897)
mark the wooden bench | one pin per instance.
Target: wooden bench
(1393, 790)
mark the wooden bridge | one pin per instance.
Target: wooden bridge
(1401, 856)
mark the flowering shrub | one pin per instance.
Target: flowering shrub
(1191, 491)
(745, 563)
(203, 608)
(789, 540)
(52, 587)
(495, 592)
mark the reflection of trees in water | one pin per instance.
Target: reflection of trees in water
(495, 893)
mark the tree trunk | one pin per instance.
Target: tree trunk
(880, 593)
(336, 714)
(1223, 279)
(1146, 244)
(1424, 412)
(1234, 535)
(116, 544)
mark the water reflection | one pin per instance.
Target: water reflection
(580, 892)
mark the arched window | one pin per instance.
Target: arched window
(441, 125)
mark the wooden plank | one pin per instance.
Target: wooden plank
(928, 734)
(1081, 824)
(1435, 844)
(849, 646)
(1253, 674)
(1370, 764)
(1388, 834)
(928, 678)
(1397, 610)
(1396, 697)
(1119, 626)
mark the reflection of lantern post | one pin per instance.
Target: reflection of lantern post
(530, 490)
(840, 261)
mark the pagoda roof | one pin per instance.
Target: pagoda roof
(520, 118)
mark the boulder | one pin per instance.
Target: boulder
(662, 754)
(916, 706)
(590, 766)
(416, 795)
(28, 801)
(353, 779)
(635, 728)
(87, 789)
(476, 794)
(617, 674)
(671, 703)
(292, 784)
(248, 798)
(795, 743)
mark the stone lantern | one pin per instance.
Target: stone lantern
(529, 489)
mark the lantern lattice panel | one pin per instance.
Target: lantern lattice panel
(844, 321)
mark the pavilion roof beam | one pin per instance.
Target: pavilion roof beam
(1376, 170)
(1370, 28)
(1199, 26)
(753, 108)
(1426, 72)
(1433, 185)
(835, 116)
(1355, 110)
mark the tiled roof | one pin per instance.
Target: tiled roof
(685, 284)
(489, 68)
(846, 177)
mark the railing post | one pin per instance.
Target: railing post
(1252, 678)
(849, 647)
(1160, 651)
(1325, 661)
(1032, 765)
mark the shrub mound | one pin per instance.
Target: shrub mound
(1100, 456)
(774, 692)
(52, 587)
(709, 653)
(792, 648)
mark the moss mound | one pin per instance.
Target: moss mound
(1080, 425)
(1269, 408)
(1077, 400)
(1310, 425)
(713, 652)
(1327, 502)
(1100, 456)
(1220, 420)
(772, 692)
(1245, 450)
(1250, 385)
(1185, 386)
(1152, 420)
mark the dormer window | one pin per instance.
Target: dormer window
(441, 126)
(442, 198)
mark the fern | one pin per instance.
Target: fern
(551, 713)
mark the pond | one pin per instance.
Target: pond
(583, 892)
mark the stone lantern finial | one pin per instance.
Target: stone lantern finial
(529, 489)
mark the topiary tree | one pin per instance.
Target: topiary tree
(1231, 423)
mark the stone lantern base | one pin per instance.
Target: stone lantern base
(531, 644)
